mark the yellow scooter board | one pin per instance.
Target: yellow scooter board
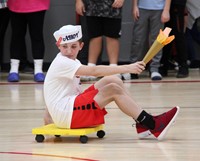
(51, 129)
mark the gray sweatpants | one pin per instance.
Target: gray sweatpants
(145, 32)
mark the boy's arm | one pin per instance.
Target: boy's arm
(165, 17)
(103, 70)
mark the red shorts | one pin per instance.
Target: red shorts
(87, 112)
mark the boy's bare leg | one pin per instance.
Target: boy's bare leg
(47, 117)
(111, 88)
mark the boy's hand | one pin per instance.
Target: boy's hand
(137, 68)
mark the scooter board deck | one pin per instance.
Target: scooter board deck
(51, 129)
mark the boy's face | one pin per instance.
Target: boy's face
(71, 50)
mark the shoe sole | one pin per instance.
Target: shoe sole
(182, 76)
(13, 80)
(88, 79)
(156, 78)
(144, 134)
(164, 132)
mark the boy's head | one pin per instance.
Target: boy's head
(68, 34)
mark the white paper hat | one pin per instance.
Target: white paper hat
(68, 34)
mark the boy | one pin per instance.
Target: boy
(69, 107)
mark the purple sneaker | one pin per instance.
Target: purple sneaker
(13, 77)
(39, 77)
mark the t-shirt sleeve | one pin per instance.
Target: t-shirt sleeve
(68, 68)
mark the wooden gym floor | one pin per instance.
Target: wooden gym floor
(22, 107)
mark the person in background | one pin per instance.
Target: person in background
(193, 30)
(23, 14)
(103, 19)
(70, 107)
(177, 23)
(4, 20)
(149, 17)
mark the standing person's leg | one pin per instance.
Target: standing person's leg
(112, 31)
(94, 25)
(155, 26)
(140, 34)
(195, 31)
(17, 46)
(83, 54)
(4, 17)
(180, 42)
(111, 89)
(36, 22)
(95, 36)
(190, 45)
(166, 54)
(95, 47)
(112, 45)
(193, 36)
(94, 51)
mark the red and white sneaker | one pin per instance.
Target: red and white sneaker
(142, 131)
(163, 122)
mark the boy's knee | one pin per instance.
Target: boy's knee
(114, 79)
(115, 88)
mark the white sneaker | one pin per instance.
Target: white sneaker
(156, 76)
(88, 78)
(126, 76)
(118, 75)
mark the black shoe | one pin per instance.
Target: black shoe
(182, 72)
(134, 76)
(163, 71)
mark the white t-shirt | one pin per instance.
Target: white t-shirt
(61, 87)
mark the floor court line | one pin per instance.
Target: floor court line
(131, 82)
(108, 108)
(47, 155)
